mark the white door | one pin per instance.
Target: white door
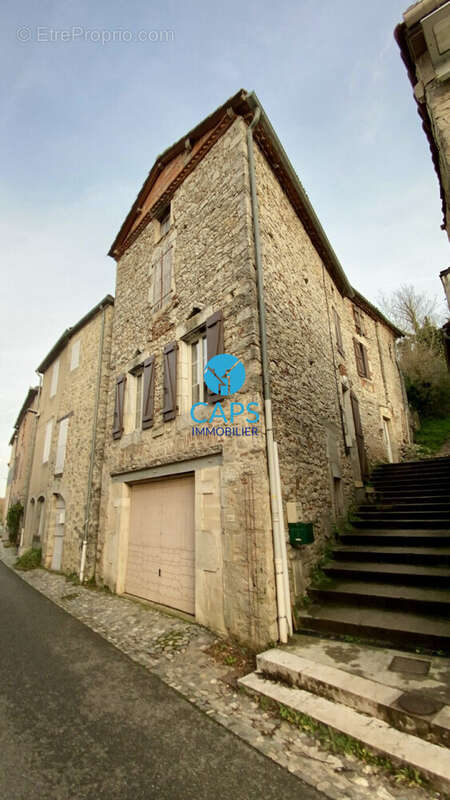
(387, 439)
(58, 542)
(160, 564)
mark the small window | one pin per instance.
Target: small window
(198, 363)
(164, 222)
(338, 332)
(162, 280)
(47, 441)
(362, 361)
(54, 383)
(138, 406)
(359, 321)
(75, 355)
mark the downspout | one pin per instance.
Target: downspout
(279, 547)
(30, 469)
(93, 443)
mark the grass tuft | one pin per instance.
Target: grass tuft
(30, 559)
(433, 433)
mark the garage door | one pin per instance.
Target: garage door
(160, 564)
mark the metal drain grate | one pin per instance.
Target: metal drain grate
(417, 703)
(411, 666)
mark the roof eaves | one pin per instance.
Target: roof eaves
(32, 392)
(108, 300)
(372, 310)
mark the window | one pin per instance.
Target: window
(138, 405)
(359, 321)
(61, 446)
(198, 363)
(162, 280)
(362, 361)
(47, 441)
(164, 222)
(338, 332)
(75, 355)
(54, 383)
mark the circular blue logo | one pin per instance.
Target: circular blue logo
(224, 374)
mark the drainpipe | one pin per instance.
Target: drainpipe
(279, 547)
(93, 443)
(30, 468)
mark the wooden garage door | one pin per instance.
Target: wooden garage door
(160, 564)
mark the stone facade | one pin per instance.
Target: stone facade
(21, 443)
(57, 498)
(213, 270)
(425, 46)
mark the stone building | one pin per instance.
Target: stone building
(222, 253)
(21, 444)
(424, 41)
(64, 490)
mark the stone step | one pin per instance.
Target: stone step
(429, 759)
(373, 594)
(397, 628)
(410, 484)
(421, 537)
(408, 553)
(406, 574)
(407, 505)
(429, 495)
(366, 512)
(439, 460)
(362, 694)
(385, 522)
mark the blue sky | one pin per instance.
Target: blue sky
(81, 123)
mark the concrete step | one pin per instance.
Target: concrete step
(408, 553)
(395, 537)
(369, 512)
(440, 460)
(417, 575)
(362, 694)
(397, 628)
(429, 759)
(422, 600)
(426, 495)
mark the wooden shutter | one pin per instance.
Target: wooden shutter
(359, 437)
(214, 343)
(359, 358)
(357, 320)
(337, 328)
(170, 381)
(148, 400)
(365, 361)
(118, 407)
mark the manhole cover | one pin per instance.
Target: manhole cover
(416, 703)
(412, 666)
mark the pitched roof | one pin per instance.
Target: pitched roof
(198, 142)
(108, 300)
(32, 392)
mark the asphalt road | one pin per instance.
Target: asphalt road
(79, 719)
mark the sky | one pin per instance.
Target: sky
(92, 93)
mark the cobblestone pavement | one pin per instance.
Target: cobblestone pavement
(175, 650)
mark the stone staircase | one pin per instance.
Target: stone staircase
(388, 580)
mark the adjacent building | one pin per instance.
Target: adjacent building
(62, 503)
(222, 253)
(22, 443)
(424, 41)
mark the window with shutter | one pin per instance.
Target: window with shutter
(47, 441)
(54, 383)
(170, 381)
(148, 392)
(61, 446)
(75, 355)
(119, 407)
(362, 362)
(338, 332)
(214, 343)
(138, 401)
(162, 280)
(199, 358)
